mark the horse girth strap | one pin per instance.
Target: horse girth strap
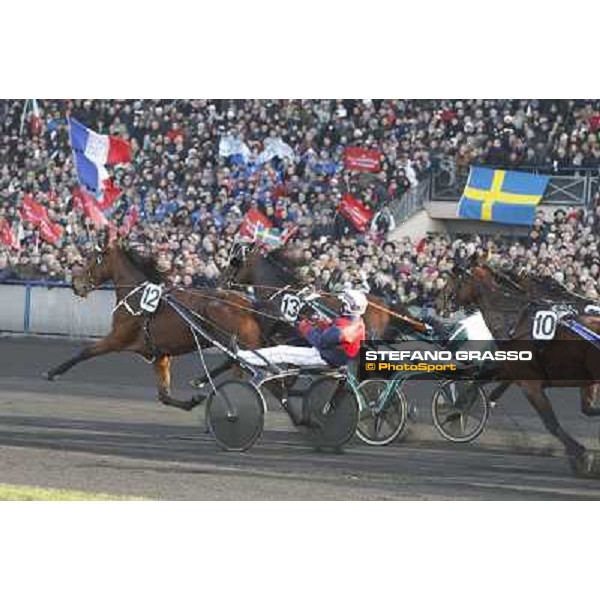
(151, 347)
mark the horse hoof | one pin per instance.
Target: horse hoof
(586, 465)
(196, 400)
(49, 376)
(197, 382)
(413, 412)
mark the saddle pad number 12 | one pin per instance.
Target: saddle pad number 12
(151, 298)
(290, 307)
(544, 325)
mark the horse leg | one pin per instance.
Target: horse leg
(162, 369)
(581, 460)
(497, 392)
(99, 348)
(198, 382)
(589, 400)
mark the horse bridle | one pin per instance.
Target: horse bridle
(458, 275)
(91, 283)
(238, 252)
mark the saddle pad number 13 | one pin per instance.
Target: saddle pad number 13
(290, 307)
(544, 325)
(151, 298)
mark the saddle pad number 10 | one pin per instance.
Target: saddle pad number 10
(290, 307)
(151, 298)
(544, 325)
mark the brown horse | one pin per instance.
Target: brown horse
(160, 336)
(269, 273)
(505, 309)
(549, 290)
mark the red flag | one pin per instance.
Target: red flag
(111, 193)
(130, 220)
(119, 151)
(448, 115)
(32, 211)
(359, 215)
(50, 232)
(361, 159)
(252, 220)
(35, 120)
(7, 235)
(594, 123)
(89, 207)
(38, 215)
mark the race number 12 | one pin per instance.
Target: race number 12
(151, 298)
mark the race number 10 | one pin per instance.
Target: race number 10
(544, 325)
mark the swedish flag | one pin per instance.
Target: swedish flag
(502, 196)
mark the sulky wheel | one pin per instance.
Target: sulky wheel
(235, 415)
(383, 412)
(460, 410)
(330, 412)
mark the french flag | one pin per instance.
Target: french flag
(92, 152)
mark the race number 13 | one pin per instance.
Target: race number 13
(544, 325)
(290, 307)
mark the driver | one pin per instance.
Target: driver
(333, 342)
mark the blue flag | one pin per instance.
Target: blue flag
(502, 196)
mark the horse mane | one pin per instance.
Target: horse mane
(508, 280)
(280, 259)
(290, 258)
(537, 287)
(544, 284)
(146, 264)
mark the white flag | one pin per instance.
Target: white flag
(230, 145)
(275, 147)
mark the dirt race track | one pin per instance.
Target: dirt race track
(100, 429)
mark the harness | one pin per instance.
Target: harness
(125, 304)
(583, 332)
(151, 348)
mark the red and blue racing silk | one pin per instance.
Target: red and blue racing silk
(339, 341)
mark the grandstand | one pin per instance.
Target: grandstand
(311, 167)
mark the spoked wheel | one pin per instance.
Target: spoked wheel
(330, 411)
(235, 415)
(460, 410)
(381, 419)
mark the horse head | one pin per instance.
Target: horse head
(239, 264)
(464, 286)
(98, 267)
(253, 264)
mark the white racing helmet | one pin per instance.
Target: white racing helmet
(354, 302)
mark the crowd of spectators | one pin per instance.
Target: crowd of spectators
(563, 246)
(192, 200)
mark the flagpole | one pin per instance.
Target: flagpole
(19, 231)
(23, 118)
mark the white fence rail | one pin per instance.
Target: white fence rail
(34, 308)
